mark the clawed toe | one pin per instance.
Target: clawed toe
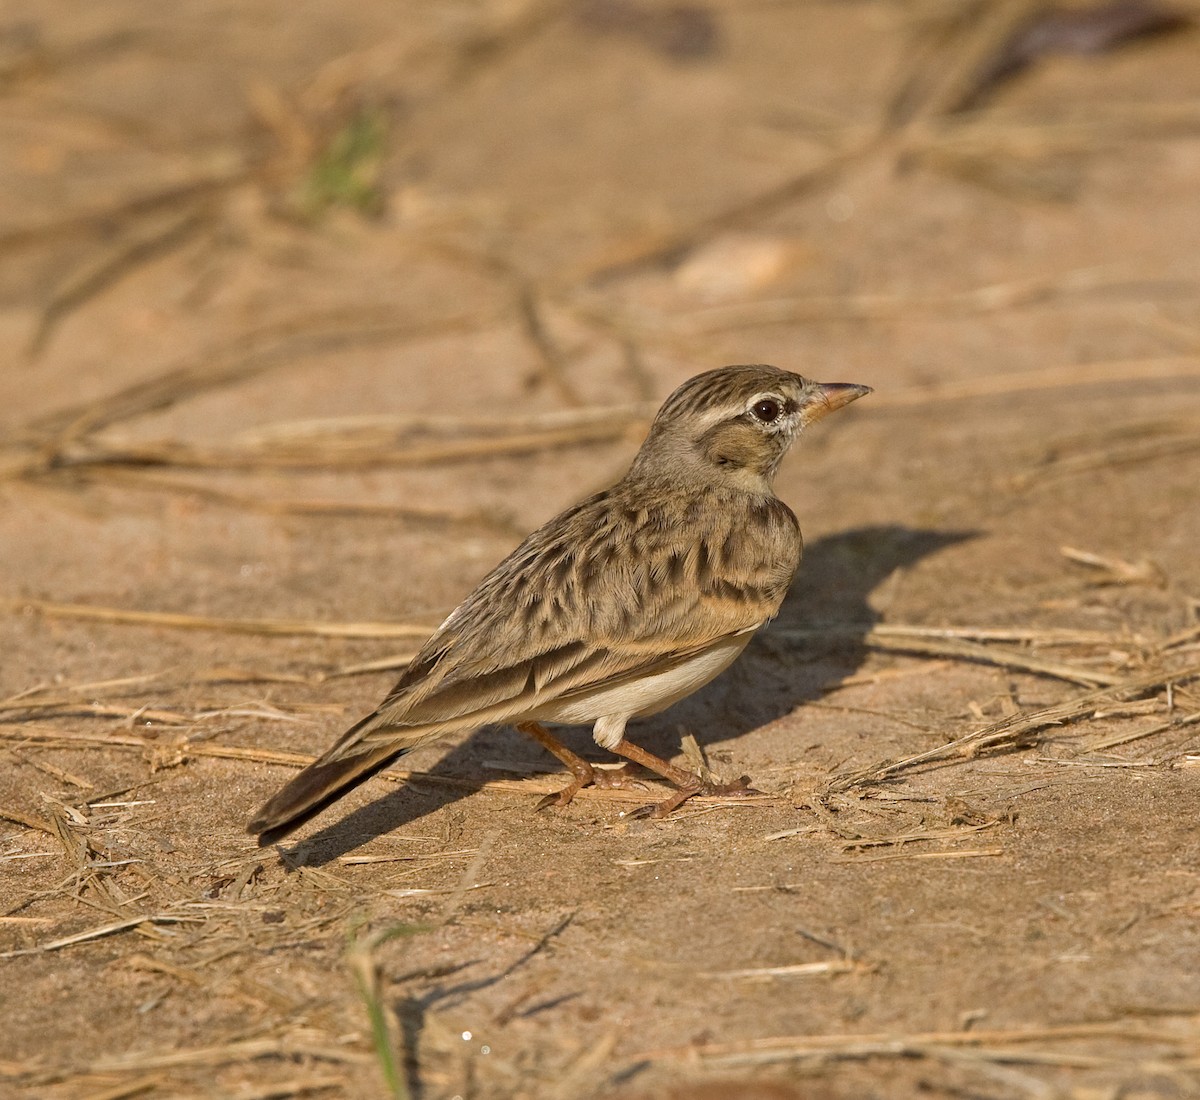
(739, 788)
(605, 779)
(563, 797)
(643, 812)
(659, 810)
(558, 798)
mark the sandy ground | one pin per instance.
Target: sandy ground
(308, 311)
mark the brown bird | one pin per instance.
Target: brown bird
(616, 608)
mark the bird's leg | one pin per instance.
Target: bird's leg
(678, 777)
(585, 775)
(688, 782)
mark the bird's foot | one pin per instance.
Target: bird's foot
(561, 798)
(739, 788)
(604, 779)
(624, 778)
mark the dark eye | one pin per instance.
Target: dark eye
(767, 410)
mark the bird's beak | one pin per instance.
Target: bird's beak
(825, 397)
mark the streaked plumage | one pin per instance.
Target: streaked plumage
(617, 607)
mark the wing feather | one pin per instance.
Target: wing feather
(558, 618)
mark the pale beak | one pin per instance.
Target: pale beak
(825, 397)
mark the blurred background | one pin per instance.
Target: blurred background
(308, 311)
(252, 250)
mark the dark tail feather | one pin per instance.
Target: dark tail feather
(318, 785)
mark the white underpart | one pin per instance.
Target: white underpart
(611, 707)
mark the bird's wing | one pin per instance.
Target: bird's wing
(596, 597)
(462, 685)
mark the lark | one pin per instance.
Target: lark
(615, 609)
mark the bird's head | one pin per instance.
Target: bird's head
(737, 423)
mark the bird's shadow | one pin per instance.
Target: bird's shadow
(772, 679)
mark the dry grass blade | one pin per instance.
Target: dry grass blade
(290, 1089)
(243, 1050)
(127, 1089)
(85, 697)
(30, 821)
(66, 692)
(992, 298)
(61, 774)
(793, 1047)
(377, 428)
(941, 84)
(46, 437)
(144, 243)
(129, 742)
(50, 709)
(468, 880)
(1121, 454)
(1112, 742)
(362, 668)
(996, 655)
(956, 853)
(96, 710)
(1016, 730)
(1116, 570)
(200, 187)
(952, 832)
(795, 970)
(554, 361)
(1039, 636)
(1190, 634)
(342, 454)
(1161, 368)
(401, 857)
(436, 891)
(98, 933)
(149, 481)
(171, 620)
(936, 643)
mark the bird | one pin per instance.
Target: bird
(616, 608)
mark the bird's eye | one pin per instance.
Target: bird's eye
(767, 410)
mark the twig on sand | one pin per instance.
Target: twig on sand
(956, 642)
(145, 480)
(97, 933)
(1002, 1045)
(1017, 730)
(315, 627)
(335, 454)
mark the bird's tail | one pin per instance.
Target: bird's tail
(323, 781)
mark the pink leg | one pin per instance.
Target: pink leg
(585, 775)
(688, 783)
